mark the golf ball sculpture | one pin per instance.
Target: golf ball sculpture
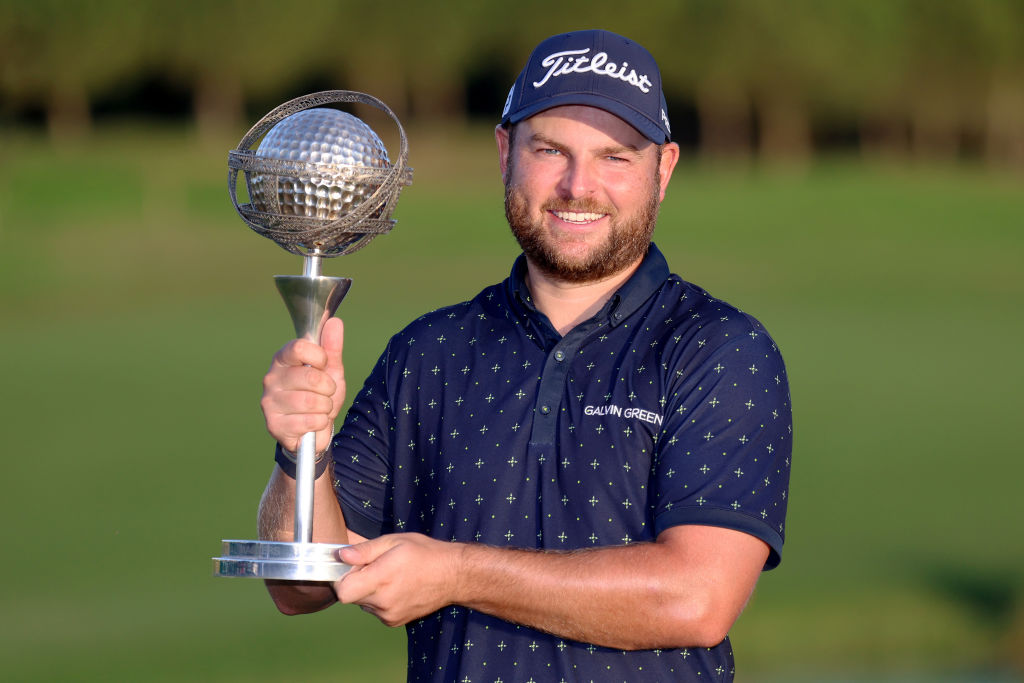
(320, 184)
(320, 181)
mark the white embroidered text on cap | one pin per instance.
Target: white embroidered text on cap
(558, 65)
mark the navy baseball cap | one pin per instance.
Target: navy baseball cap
(594, 68)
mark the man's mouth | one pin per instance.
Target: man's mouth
(578, 218)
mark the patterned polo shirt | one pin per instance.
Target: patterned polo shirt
(480, 423)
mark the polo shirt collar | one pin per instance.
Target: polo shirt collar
(649, 276)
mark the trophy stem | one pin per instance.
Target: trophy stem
(311, 301)
(305, 471)
(312, 263)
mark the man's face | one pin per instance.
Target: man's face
(582, 190)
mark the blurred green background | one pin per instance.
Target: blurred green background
(852, 176)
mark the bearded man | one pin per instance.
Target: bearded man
(580, 473)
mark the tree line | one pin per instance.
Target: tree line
(775, 78)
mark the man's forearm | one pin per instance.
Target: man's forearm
(645, 596)
(276, 523)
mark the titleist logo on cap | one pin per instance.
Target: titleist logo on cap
(573, 61)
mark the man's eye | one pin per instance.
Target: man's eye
(549, 151)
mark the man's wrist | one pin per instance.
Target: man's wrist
(460, 572)
(288, 461)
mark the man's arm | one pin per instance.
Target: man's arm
(303, 391)
(276, 523)
(684, 590)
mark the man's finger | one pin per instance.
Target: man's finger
(356, 587)
(301, 352)
(306, 378)
(367, 551)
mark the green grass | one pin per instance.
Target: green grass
(138, 315)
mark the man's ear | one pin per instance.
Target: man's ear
(669, 159)
(502, 138)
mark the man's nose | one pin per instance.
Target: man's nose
(578, 180)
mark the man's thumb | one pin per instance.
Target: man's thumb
(332, 340)
(363, 553)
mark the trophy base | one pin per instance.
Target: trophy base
(279, 560)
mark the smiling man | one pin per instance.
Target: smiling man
(580, 473)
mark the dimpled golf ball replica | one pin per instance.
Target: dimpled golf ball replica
(326, 140)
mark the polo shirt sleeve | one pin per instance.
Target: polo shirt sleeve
(724, 456)
(362, 456)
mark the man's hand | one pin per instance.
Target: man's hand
(400, 577)
(304, 389)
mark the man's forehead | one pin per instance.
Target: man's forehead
(581, 120)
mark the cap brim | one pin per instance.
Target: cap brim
(649, 129)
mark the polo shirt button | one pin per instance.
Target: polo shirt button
(559, 355)
(545, 410)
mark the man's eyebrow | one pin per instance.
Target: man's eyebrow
(613, 150)
(610, 150)
(539, 139)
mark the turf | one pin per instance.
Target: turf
(138, 314)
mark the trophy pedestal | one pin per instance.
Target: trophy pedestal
(279, 560)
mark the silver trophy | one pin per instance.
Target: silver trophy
(320, 185)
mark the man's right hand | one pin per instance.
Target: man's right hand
(304, 389)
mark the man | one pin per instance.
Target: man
(580, 473)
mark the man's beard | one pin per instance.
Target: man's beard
(625, 244)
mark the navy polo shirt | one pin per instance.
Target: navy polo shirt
(480, 423)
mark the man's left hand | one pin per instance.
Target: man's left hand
(399, 577)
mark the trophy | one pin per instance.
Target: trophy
(320, 185)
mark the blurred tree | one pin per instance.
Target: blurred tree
(942, 86)
(964, 78)
(1001, 23)
(714, 61)
(57, 55)
(412, 55)
(436, 60)
(866, 86)
(762, 71)
(792, 61)
(227, 50)
(364, 52)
